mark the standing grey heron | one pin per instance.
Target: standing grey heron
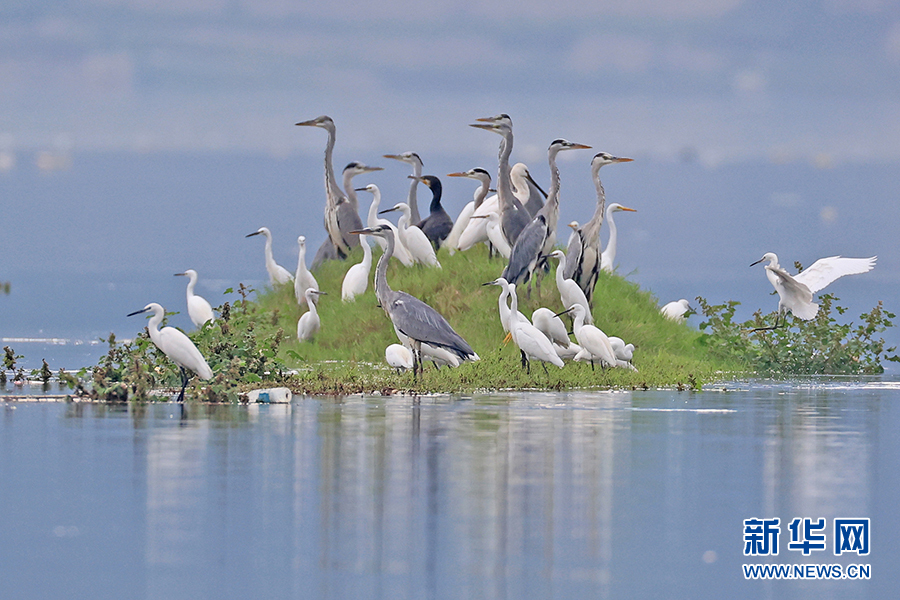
(537, 240)
(513, 216)
(795, 291)
(350, 171)
(437, 225)
(583, 252)
(527, 190)
(416, 161)
(608, 256)
(341, 215)
(479, 174)
(176, 346)
(414, 320)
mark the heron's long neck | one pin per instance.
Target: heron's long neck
(551, 208)
(190, 287)
(577, 322)
(153, 327)
(382, 289)
(332, 190)
(504, 307)
(591, 229)
(413, 193)
(367, 252)
(311, 302)
(270, 259)
(350, 191)
(482, 192)
(560, 277)
(504, 183)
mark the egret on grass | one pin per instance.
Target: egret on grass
(303, 279)
(527, 190)
(357, 278)
(398, 357)
(277, 274)
(795, 291)
(608, 257)
(504, 307)
(199, 309)
(414, 321)
(569, 292)
(675, 310)
(373, 220)
(309, 323)
(453, 240)
(532, 342)
(594, 343)
(414, 239)
(176, 346)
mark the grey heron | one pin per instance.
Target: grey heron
(303, 279)
(437, 225)
(795, 291)
(583, 251)
(411, 317)
(479, 174)
(415, 161)
(608, 256)
(199, 309)
(400, 252)
(176, 346)
(352, 170)
(538, 238)
(278, 275)
(341, 215)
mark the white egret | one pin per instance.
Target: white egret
(417, 322)
(413, 159)
(309, 323)
(199, 309)
(176, 346)
(532, 343)
(303, 279)
(551, 326)
(495, 234)
(538, 238)
(502, 303)
(795, 291)
(594, 343)
(674, 311)
(415, 241)
(526, 189)
(437, 225)
(400, 252)
(278, 275)
(623, 351)
(608, 257)
(569, 352)
(399, 357)
(569, 292)
(452, 241)
(357, 278)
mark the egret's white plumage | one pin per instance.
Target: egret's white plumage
(594, 343)
(357, 278)
(623, 351)
(608, 256)
(199, 309)
(533, 344)
(551, 326)
(795, 291)
(502, 303)
(400, 252)
(278, 275)
(303, 279)
(674, 311)
(309, 323)
(495, 234)
(569, 292)
(398, 357)
(462, 221)
(177, 346)
(415, 240)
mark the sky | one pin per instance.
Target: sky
(723, 80)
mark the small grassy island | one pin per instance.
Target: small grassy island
(253, 342)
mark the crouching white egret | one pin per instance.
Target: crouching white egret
(309, 323)
(674, 311)
(176, 346)
(398, 357)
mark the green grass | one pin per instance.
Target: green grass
(348, 353)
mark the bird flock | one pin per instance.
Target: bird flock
(519, 223)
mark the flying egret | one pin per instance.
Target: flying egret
(538, 238)
(340, 214)
(532, 343)
(400, 252)
(527, 190)
(176, 346)
(414, 320)
(303, 279)
(569, 292)
(583, 249)
(674, 311)
(608, 257)
(795, 291)
(513, 216)
(594, 343)
(398, 357)
(437, 225)
(278, 275)
(414, 239)
(199, 309)
(309, 323)
(357, 278)
(479, 174)
(413, 159)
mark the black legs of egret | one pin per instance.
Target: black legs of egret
(184, 382)
(772, 328)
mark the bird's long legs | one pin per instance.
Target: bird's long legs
(772, 328)
(184, 382)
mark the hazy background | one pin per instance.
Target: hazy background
(140, 138)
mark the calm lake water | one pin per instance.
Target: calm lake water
(536, 495)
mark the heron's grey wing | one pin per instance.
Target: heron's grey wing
(514, 221)
(526, 251)
(326, 251)
(348, 220)
(420, 322)
(825, 270)
(573, 255)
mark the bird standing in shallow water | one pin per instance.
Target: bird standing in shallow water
(199, 309)
(176, 346)
(795, 291)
